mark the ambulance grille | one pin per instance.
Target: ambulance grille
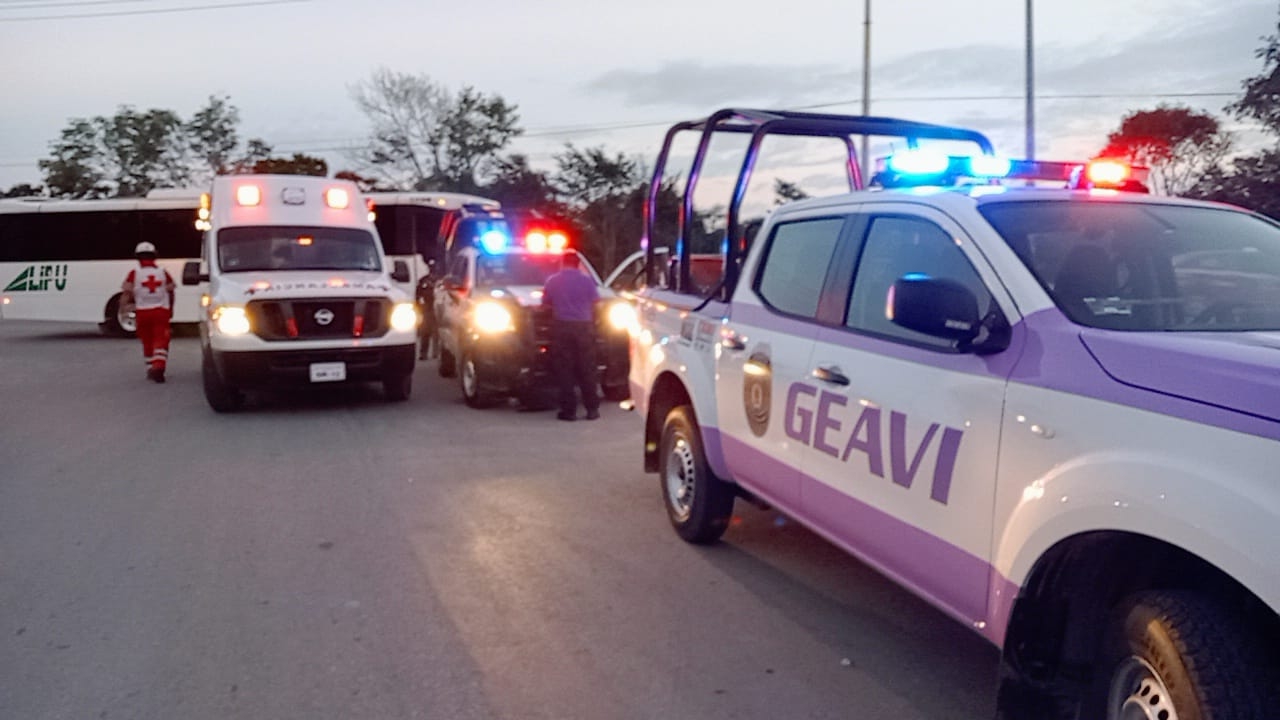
(307, 319)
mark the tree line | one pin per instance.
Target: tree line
(424, 136)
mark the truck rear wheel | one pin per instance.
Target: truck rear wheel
(1175, 655)
(220, 396)
(699, 504)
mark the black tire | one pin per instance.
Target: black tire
(398, 388)
(447, 367)
(221, 397)
(699, 504)
(616, 393)
(117, 322)
(535, 399)
(1176, 654)
(469, 380)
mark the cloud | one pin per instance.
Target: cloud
(689, 83)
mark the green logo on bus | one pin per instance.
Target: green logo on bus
(37, 278)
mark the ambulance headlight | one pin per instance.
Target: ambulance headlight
(622, 316)
(492, 317)
(231, 320)
(404, 317)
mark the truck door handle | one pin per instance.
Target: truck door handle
(731, 340)
(831, 375)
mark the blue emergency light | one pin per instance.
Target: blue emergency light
(494, 241)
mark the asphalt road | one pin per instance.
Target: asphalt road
(328, 555)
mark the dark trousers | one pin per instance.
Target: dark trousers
(573, 355)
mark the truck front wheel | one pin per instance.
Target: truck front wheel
(397, 388)
(699, 504)
(1175, 655)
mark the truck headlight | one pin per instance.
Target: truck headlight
(622, 316)
(404, 317)
(492, 317)
(231, 320)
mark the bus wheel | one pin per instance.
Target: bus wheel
(116, 320)
(1177, 655)
(397, 388)
(221, 396)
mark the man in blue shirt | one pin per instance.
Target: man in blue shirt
(572, 296)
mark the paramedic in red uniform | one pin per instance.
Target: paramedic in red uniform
(148, 290)
(572, 295)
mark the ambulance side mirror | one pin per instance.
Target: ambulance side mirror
(191, 274)
(400, 273)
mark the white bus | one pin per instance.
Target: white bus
(64, 260)
(413, 225)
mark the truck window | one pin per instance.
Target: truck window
(795, 265)
(897, 246)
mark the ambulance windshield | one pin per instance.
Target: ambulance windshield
(244, 249)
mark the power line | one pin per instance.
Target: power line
(153, 12)
(28, 5)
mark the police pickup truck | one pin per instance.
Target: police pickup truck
(1052, 413)
(495, 334)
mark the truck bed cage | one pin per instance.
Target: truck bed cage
(759, 124)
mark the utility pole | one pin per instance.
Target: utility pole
(866, 85)
(1031, 89)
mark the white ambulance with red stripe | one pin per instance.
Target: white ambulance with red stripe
(299, 290)
(1052, 413)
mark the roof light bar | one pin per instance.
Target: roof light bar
(910, 169)
(494, 241)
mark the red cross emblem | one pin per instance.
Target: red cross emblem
(152, 283)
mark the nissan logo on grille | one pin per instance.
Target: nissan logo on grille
(323, 316)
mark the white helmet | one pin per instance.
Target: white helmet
(144, 247)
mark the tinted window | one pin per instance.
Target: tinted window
(796, 263)
(406, 229)
(1146, 266)
(897, 246)
(97, 235)
(242, 249)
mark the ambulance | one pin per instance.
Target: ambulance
(299, 291)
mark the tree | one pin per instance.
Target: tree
(134, 151)
(144, 150)
(1178, 144)
(426, 138)
(1253, 181)
(76, 168)
(785, 192)
(23, 190)
(1261, 99)
(212, 136)
(299, 164)
(366, 184)
(604, 194)
(514, 184)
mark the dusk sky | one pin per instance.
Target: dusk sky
(580, 70)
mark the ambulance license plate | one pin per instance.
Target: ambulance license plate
(328, 372)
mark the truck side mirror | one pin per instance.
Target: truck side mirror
(400, 273)
(945, 309)
(191, 274)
